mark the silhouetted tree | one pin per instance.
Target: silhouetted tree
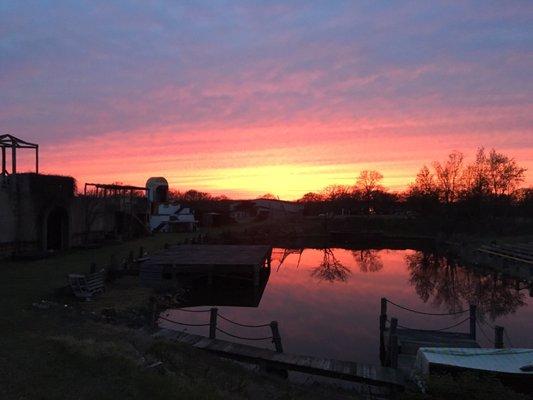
(311, 197)
(336, 192)
(448, 177)
(269, 196)
(503, 174)
(189, 195)
(368, 184)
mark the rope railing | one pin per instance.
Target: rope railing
(192, 311)
(243, 325)
(213, 328)
(425, 313)
(483, 332)
(241, 337)
(434, 330)
(384, 320)
(181, 323)
(493, 328)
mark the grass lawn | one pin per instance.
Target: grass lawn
(57, 353)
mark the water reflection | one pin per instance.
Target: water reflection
(330, 268)
(440, 280)
(236, 291)
(340, 319)
(368, 260)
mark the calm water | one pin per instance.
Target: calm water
(327, 302)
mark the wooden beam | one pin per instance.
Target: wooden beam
(3, 160)
(13, 160)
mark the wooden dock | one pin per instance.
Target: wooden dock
(205, 260)
(521, 253)
(410, 340)
(399, 345)
(346, 370)
(511, 259)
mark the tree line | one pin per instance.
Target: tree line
(489, 185)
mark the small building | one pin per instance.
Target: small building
(260, 209)
(43, 213)
(165, 216)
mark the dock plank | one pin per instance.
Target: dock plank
(346, 370)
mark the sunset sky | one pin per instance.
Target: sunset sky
(245, 98)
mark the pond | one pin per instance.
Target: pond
(327, 301)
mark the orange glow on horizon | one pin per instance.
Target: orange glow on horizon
(287, 161)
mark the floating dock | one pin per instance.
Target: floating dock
(205, 260)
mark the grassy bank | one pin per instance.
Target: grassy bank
(53, 351)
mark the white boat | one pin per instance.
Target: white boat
(511, 366)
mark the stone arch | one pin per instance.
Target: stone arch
(56, 229)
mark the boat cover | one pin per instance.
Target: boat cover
(496, 360)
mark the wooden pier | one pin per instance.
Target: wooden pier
(513, 260)
(351, 371)
(399, 345)
(205, 260)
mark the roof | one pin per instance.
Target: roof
(12, 141)
(115, 186)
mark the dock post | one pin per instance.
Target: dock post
(130, 260)
(383, 315)
(393, 340)
(93, 268)
(276, 338)
(394, 351)
(257, 270)
(213, 323)
(473, 321)
(382, 327)
(154, 312)
(141, 252)
(166, 246)
(498, 337)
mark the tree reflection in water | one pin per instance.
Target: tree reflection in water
(331, 269)
(368, 260)
(448, 284)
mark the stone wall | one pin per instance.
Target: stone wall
(42, 212)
